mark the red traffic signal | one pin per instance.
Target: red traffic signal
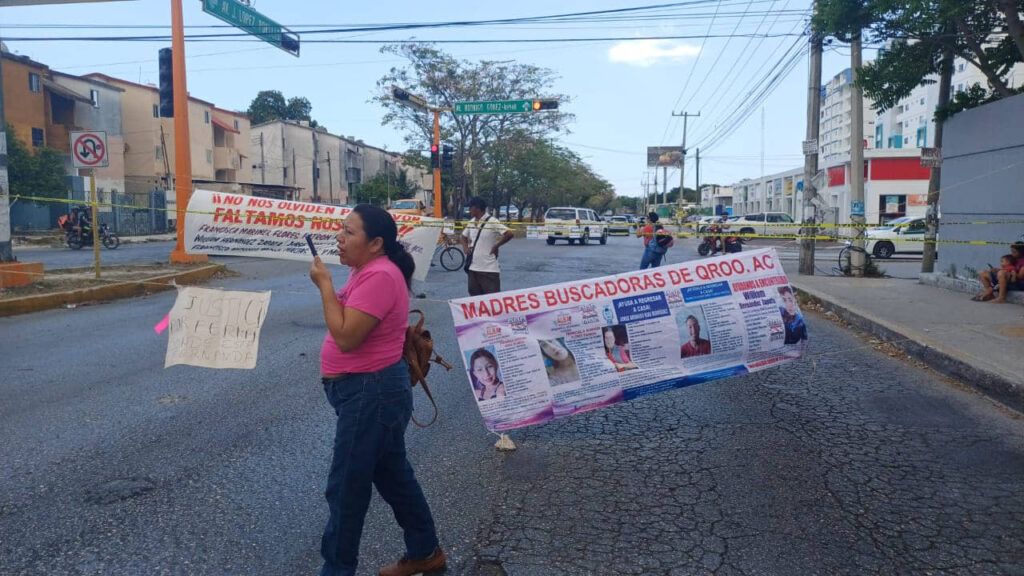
(435, 158)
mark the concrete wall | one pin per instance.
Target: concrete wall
(106, 117)
(982, 180)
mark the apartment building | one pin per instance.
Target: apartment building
(836, 118)
(911, 123)
(44, 106)
(325, 167)
(718, 198)
(219, 140)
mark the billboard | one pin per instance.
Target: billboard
(659, 156)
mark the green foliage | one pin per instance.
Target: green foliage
(920, 30)
(271, 105)
(40, 174)
(386, 186)
(444, 80)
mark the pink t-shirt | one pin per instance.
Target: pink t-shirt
(378, 289)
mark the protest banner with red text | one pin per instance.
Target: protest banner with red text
(541, 353)
(219, 223)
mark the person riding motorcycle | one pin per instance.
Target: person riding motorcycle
(715, 230)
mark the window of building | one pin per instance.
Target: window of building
(285, 172)
(159, 153)
(906, 140)
(236, 124)
(959, 88)
(206, 116)
(94, 95)
(960, 68)
(922, 101)
(878, 136)
(209, 156)
(156, 110)
(38, 139)
(922, 136)
(33, 82)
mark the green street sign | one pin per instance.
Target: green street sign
(494, 107)
(245, 18)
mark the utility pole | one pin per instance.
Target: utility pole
(330, 178)
(6, 254)
(700, 198)
(263, 162)
(316, 166)
(682, 165)
(931, 218)
(764, 183)
(182, 140)
(811, 154)
(857, 260)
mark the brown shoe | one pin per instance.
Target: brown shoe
(406, 567)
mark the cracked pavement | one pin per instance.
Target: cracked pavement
(848, 461)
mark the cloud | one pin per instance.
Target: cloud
(646, 53)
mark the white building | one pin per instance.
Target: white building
(326, 167)
(718, 198)
(836, 119)
(911, 123)
(779, 192)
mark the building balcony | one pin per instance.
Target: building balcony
(225, 158)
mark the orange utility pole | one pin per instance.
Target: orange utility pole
(182, 140)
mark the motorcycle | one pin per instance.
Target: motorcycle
(714, 242)
(76, 240)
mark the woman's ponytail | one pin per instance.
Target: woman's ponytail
(401, 257)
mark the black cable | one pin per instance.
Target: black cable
(247, 38)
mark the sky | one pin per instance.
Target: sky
(623, 91)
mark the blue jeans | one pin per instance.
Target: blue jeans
(369, 449)
(652, 257)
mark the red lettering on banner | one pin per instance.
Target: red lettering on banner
(216, 198)
(258, 202)
(764, 262)
(325, 224)
(680, 276)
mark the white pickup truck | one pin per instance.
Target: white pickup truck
(765, 223)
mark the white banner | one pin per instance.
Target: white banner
(542, 353)
(216, 328)
(237, 225)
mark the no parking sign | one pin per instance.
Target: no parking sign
(89, 149)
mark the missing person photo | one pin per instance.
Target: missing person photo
(693, 332)
(559, 363)
(485, 375)
(616, 347)
(792, 319)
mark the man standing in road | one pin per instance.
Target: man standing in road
(481, 239)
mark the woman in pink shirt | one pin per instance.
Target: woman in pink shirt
(367, 383)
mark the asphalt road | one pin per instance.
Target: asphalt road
(846, 462)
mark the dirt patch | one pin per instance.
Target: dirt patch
(63, 280)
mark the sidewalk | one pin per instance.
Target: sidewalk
(979, 343)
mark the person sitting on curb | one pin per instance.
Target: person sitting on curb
(1005, 279)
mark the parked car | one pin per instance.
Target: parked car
(702, 222)
(508, 212)
(900, 236)
(766, 223)
(409, 206)
(574, 224)
(619, 225)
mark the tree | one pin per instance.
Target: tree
(271, 105)
(927, 35)
(40, 174)
(386, 186)
(443, 80)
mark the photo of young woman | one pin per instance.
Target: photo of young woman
(559, 362)
(616, 347)
(485, 375)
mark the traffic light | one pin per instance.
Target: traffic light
(435, 160)
(545, 104)
(446, 157)
(166, 83)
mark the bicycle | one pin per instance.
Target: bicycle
(449, 252)
(846, 259)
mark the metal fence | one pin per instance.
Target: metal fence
(138, 214)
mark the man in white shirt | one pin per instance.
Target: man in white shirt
(481, 239)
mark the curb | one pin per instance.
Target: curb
(29, 304)
(947, 362)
